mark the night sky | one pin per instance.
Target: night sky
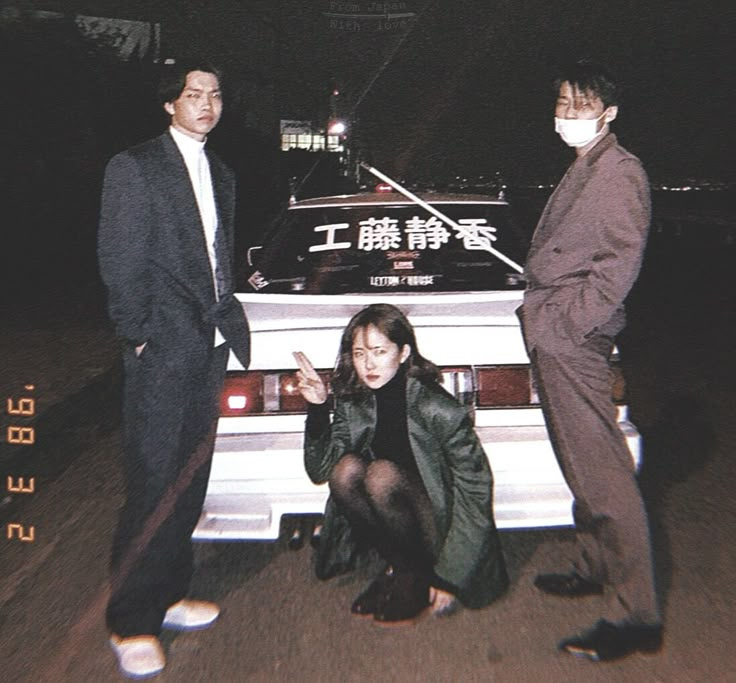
(445, 88)
(464, 88)
(441, 89)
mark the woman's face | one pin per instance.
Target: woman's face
(375, 357)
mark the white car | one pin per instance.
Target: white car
(328, 259)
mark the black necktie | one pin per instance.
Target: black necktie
(221, 261)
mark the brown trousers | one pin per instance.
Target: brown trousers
(613, 545)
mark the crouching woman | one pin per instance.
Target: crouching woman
(407, 474)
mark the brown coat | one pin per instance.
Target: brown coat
(587, 250)
(585, 255)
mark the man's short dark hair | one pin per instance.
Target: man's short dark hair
(174, 78)
(590, 77)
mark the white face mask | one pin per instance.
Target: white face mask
(578, 132)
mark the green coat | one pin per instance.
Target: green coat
(455, 473)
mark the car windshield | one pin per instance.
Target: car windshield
(368, 247)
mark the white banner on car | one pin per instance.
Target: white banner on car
(461, 229)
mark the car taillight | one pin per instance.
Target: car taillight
(242, 394)
(618, 384)
(290, 400)
(248, 393)
(504, 385)
(492, 386)
(514, 386)
(459, 383)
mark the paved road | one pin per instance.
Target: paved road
(281, 624)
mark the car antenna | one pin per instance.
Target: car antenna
(461, 229)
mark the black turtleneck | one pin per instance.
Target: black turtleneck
(391, 438)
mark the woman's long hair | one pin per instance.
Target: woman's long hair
(391, 322)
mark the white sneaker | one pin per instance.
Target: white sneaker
(138, 656)
(189, 615)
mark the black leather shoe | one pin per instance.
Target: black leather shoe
(406, 597)
(567, 585)
(607, 641)
(371, 599)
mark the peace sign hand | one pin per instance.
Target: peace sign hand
(309, 383)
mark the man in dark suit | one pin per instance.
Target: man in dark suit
(584, 258)
(165, 253)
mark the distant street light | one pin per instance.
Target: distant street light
(336, 127)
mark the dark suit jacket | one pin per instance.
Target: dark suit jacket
(587, 250)
(153, 257)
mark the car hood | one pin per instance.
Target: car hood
(452, 328)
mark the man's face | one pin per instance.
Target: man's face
(572, 103)
(197, 110)
(581, 118)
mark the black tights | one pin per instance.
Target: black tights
(389, 508)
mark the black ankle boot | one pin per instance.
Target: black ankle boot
(406, 597)
(371, 599)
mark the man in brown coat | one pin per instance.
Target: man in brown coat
(585, 256)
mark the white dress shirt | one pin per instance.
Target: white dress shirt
(199, 173)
